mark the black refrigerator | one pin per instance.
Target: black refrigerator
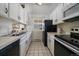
(48, 27)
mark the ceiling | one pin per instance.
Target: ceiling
(42, 10)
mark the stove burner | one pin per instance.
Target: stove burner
(69, 39)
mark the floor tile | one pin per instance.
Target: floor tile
(37, 49)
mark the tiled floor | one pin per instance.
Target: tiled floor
(38, 49)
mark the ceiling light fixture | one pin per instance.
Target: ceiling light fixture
(38, 4)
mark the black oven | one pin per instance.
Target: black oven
(61, 50)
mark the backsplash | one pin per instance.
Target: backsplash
(5, 26)
(66, 27)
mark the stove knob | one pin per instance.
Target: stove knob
(76, 41)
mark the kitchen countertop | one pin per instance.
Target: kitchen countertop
(51, 34)
(8, 39)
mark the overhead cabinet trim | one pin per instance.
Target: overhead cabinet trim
(65, 8)
(72, 13)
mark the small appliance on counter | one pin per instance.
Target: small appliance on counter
(18, 32)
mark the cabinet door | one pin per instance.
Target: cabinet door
(21, 14)
(54, 16)
(24, 16)
(71, 12)
(68, 5)
(59, 13)
(13, 11)
(48, 40)
(23, 49)
(2, 6)
(4, 9)
(23, 46)
(52, 45)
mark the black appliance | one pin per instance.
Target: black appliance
(11, 50)
(71, 47)
(75, 34)
(61, 50)
(49, 27)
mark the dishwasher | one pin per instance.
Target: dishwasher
(11, 50)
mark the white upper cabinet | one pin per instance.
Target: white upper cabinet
(24, 17)
(68, 5)
(22, 14)
(17, 12)
(57, 14)
(65, 11)
(54, 16)
(14, 11)
(4, 9)
(70, 10)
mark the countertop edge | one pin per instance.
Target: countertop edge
(10, 42)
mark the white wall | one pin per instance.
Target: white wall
(37, 35)
(5, 26)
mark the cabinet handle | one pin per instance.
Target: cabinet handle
(6, 10)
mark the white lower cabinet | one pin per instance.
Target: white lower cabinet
(24, 45)
(52, 46)
(23, 49)
(50, 43)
